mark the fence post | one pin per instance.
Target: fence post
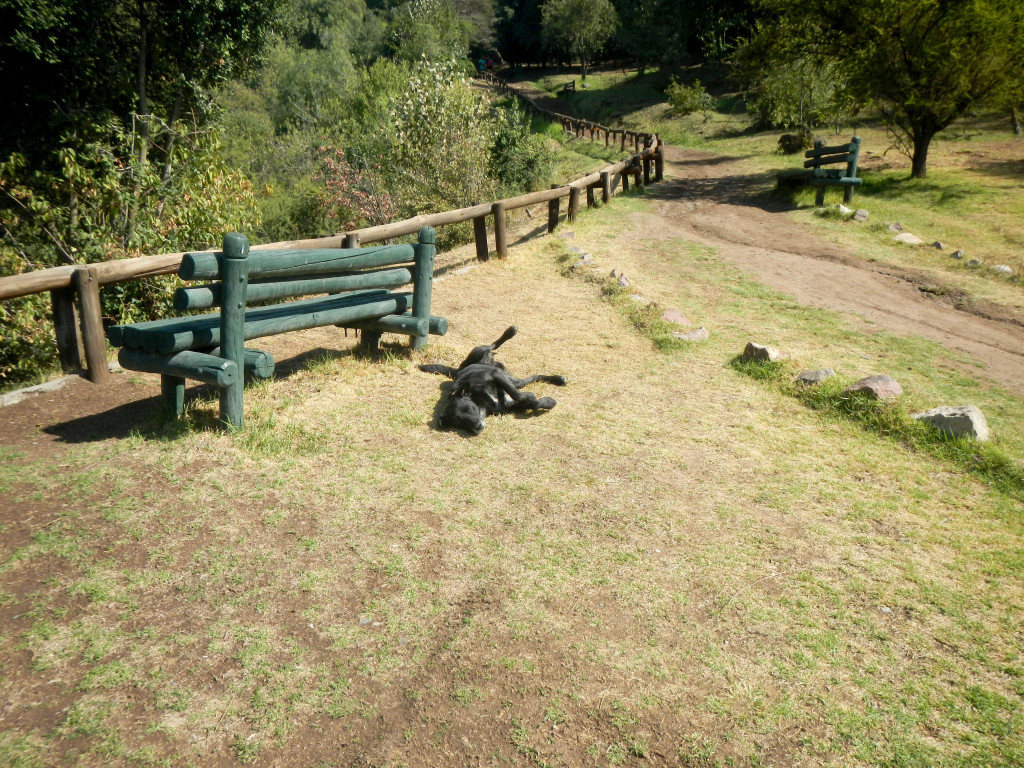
(552, 212)
(659, 161)
(500, 243)
(351, 240)
(574, 204)
(607, 138)
(234, 277)
(591, 202)
(480, 236)
(65, 328)
(636, 142)
(87, 283)
(647, 161)
(622, 141)
(606, 187)
(625, 179)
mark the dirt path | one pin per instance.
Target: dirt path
(706, 198)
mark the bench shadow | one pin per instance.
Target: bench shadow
(146, 418)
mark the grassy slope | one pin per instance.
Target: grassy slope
(678, 565)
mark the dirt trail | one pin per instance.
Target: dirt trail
(706, 198)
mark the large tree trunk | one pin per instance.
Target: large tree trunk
(922, 133)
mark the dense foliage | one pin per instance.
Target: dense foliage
(922, 63)
(156, 126)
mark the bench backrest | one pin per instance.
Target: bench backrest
(281, 274)
(843, 153)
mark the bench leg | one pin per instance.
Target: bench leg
(819, 198)
(173, 390)
(231, 407)
(848, 195)
(369, 341)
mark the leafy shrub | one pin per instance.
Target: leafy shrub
(520, 160)
(685, 99)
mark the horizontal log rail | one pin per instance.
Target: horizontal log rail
(74, 290)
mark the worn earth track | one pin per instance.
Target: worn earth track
(707, 198)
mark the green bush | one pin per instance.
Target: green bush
(520, 159)
(686, 100)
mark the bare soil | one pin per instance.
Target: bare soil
(707, 198)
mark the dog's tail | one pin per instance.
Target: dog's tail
(443, 370)
(508, 334)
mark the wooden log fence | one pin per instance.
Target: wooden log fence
(74, 290)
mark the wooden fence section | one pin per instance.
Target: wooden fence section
(580, 128)
(75, 290)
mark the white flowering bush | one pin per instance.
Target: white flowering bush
(438, 153)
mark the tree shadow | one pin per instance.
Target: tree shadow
(1008, 169)
(752, 190)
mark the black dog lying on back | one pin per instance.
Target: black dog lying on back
(483, 386)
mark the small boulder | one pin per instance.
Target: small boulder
(584, 263)
(623, 282)
(1002, 269)
(575, 249)
(974, 263)
(860, 215)
(938, 246)
(761, 353)
(843, 209)
(814, 377)
(958, 420)
(701, 334)
(909, 239)
(957, 254)
(880, 386)
(895, 227)
(673, 315)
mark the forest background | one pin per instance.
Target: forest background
(157, 125)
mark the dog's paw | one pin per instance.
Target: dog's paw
(546, 403)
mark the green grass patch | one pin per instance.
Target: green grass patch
(891, 420)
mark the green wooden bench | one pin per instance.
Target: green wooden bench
(816, 176)
(210, 348)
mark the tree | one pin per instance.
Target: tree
(578, 27)
(923, 63)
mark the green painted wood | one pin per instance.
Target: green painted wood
(199, 366)
(423, 280)
(282, 263)
(234, 270)
(146, 335)
(844, 158)
(172, 391)
(282, 318)
(408, 325)
(206, 296)
(817, 151)
(369, 341)
(256, 363)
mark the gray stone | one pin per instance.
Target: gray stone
(584, 263)
(814, 377)
(957, 420)
(895, 227)
(957, 254)
(762, 353)
(909, 239)
(673, 315)
(860, 215)
(938, 246)
(880, 386)
(974, 263)
(575, 249)
(1002, 269)
(701, 334)
(623, 282)
(843, 209)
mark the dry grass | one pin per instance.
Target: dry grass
(676, 565)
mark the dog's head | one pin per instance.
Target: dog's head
(462, 413)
